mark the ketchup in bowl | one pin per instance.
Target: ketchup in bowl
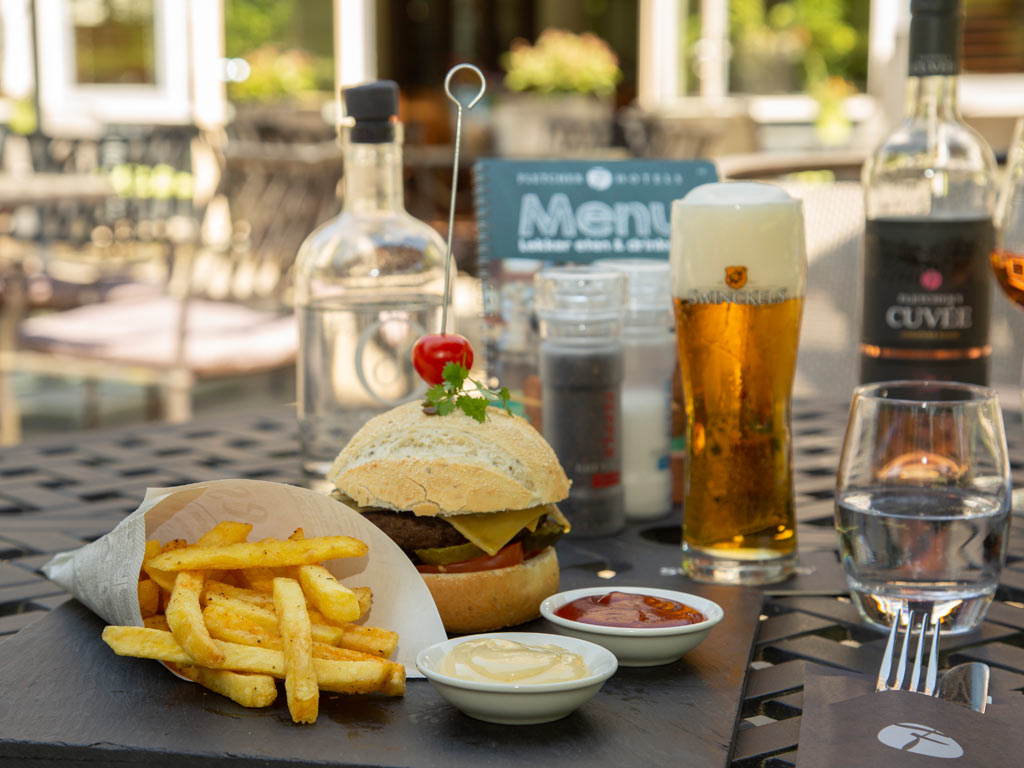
(630, 611)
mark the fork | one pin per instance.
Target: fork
(901, 669)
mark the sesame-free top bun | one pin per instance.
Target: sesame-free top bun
(407, 460)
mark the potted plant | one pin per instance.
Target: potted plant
(560, 94)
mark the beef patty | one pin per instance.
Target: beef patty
(411, 532)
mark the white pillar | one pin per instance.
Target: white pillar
(888, 41)
(714, 49)
(661, 70)
(16, 51)
(206, 30)
(355, 42)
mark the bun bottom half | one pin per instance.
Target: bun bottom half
(504, 597)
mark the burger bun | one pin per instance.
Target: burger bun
(480, 601)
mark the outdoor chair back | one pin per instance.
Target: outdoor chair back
(199, 311)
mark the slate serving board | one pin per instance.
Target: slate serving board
(66, 698)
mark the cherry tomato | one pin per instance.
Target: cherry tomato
(507, 556)
(432, 352)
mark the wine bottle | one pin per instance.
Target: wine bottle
(929, 199)
(368, 284)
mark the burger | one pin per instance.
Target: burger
(472, 504)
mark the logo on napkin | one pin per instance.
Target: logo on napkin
(920, 740)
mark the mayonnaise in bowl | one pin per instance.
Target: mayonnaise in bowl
(516, 678)
(499, 660)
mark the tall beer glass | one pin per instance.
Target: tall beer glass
(738, 272)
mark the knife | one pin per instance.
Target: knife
(967, 685)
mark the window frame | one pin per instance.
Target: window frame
(66, 104)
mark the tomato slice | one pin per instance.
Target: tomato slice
(507, 556)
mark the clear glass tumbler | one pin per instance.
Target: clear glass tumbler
(923, 501)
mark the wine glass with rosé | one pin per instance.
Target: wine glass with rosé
(1008, 256)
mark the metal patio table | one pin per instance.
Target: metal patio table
(735, 701)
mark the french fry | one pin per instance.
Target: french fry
(238, 614)
(351, 676)
(270, 553)
(293, 623)
(145, 643)
(337, 676)
(336, 602)
(365, 598)
(225, 624)
(149, 597)
(220, 589)
(259, 579)
(165, 579)
(395, 684)
(267, 618)
(249, 690)
(185, 618)
(372, 640)
(222, 534)
(157, 622)
(152, 550)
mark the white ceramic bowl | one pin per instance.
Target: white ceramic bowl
(644, 647)
(519, 703)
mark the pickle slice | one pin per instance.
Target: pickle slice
(546, 535)
(449, 555)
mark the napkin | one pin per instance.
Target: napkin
(846, 724)
(104, 574)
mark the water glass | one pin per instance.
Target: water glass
(923, 501)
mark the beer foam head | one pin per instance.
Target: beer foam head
(738, 236)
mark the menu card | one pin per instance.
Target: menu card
(104, 574)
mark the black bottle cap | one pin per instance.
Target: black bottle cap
(372, 107)
(934, 37)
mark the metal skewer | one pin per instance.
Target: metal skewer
(455, 178)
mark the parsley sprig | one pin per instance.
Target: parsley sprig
(444, 398)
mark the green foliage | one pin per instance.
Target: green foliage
(816, 37)
(562, 62)
(251, 24)
(275, 75)
(287, 43)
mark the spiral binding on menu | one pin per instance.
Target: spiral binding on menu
(482, 212)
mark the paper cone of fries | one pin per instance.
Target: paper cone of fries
(104, 575)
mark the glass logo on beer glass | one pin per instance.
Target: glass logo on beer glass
(735, 277)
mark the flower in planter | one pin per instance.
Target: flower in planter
(562, 62)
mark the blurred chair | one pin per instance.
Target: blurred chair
(214, 311)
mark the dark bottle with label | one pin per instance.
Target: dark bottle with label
(929, 198)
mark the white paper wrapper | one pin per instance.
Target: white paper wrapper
(104, 574)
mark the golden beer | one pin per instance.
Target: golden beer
(738, 267)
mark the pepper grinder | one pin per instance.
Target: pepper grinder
(581, 311)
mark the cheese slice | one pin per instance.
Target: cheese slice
(493, 530)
